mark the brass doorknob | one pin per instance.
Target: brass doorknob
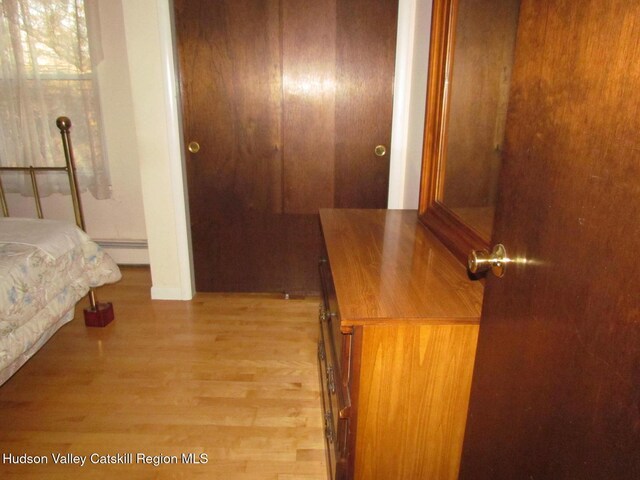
(193, 147)
(380, 150)
(481, 261)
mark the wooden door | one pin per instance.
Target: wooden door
(287, 101)
(556, 387)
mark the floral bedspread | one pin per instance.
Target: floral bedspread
(38, 289)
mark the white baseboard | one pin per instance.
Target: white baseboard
(136, 252)
(126, 252)
(167, 293)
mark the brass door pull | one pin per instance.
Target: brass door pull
(194, 147)
(331, 379)
(481, 261)
(380, 150)
(328, 427)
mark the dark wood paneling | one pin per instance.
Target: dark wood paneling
(302, 247)
(366, 33)
(481, 74)
(232, 98)
(242, 252)
(259, 90)
(230, 63)
(308, 95)
(309, 83)
(556, 390)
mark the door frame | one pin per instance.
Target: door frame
(174, 233)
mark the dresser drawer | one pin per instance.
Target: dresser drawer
(332, 314)
(336, 400)
(335, 377)
(327, 411)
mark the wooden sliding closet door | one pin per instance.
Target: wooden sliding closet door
(283, 105)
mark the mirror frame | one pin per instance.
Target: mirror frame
(459, 238)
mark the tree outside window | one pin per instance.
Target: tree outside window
(48, 50)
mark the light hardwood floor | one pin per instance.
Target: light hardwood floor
(232, 376)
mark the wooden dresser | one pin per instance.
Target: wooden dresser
(398, 328)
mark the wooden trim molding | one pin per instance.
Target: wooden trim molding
(446, 225)
(437, 101)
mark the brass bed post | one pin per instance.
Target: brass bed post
(36, 192)
(99, 314)
(64, 124)
(3, 201)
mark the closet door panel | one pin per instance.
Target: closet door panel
(308, 85)
(231, 81)
(365, 57)
(286, 102)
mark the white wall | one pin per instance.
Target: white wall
(410, 91)
(417, 102)
(155, 105)
(121, 219)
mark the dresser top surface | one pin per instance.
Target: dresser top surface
(387, 266)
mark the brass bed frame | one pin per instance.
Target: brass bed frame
(98, 314)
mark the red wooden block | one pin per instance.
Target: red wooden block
(101, 316)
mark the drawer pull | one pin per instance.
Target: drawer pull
(328, 427)
(331, 379)
(345, 412)
(321, 353)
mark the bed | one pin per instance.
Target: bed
(46, 267)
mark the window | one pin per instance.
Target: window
(46, 70)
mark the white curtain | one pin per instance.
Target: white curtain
(45, 72)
